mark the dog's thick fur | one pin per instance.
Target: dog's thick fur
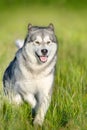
(29, 77)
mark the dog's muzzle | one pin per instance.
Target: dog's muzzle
(43, 58)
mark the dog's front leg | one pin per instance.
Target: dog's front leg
(30, 99)
(41, 109)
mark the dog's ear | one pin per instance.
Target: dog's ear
(29, 26)
(51, 26)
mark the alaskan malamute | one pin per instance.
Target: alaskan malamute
(30, 75)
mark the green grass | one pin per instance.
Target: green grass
(68, 109)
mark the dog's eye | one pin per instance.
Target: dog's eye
(37, 42)
(48, 42)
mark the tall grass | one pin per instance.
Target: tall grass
(68, 109)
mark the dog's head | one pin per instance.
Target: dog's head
(41, 41)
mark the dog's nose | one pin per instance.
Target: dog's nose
(44, 51)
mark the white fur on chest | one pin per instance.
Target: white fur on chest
(36, 79)
(37, 84)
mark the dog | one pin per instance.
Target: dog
(29, 77)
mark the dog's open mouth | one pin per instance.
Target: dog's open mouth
(42, 58)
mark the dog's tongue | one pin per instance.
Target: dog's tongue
(43, 58)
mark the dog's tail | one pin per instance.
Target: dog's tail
(19, 43)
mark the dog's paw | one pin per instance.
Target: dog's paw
(38, 121)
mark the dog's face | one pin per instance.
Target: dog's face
(42, 42)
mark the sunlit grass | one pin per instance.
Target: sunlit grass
(68, 109)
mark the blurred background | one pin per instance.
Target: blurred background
(68, 16)
(64, 14)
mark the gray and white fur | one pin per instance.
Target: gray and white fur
(30, 75)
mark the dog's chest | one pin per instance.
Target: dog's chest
(37, 82)
(36, 79)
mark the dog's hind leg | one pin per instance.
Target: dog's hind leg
(17, 99)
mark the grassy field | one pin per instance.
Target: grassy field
(68, 109)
